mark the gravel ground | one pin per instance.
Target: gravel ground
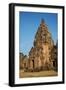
(23, 74)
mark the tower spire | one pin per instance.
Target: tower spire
(42, 21)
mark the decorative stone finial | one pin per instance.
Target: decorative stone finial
(42, 21)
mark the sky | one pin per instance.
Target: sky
(28, 25)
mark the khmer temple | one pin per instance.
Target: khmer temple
(43, 54)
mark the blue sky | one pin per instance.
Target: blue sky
(28, 25)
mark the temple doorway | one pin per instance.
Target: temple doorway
(53, 63)
(33, 63)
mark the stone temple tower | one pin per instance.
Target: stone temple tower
(40, 53)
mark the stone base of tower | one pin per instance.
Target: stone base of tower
(41, 68)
